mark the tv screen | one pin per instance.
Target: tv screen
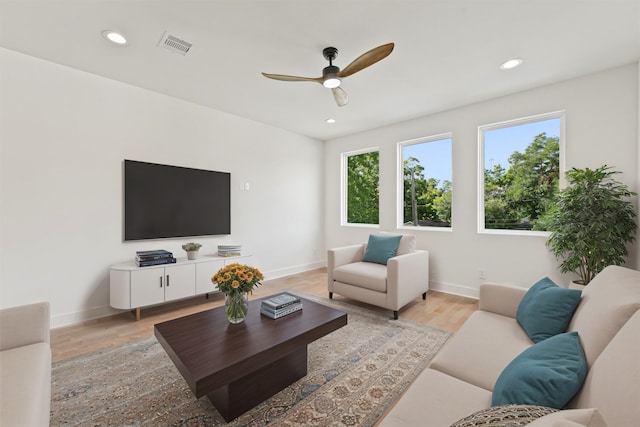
(163, 201)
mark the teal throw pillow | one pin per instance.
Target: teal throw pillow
(548, 373)
(546, 309)
(381, 248)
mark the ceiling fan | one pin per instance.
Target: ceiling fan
(332, 75)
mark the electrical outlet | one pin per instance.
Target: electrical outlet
(483, 273)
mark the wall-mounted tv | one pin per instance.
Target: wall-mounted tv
(162, 201)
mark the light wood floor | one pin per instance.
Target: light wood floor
(440, 310)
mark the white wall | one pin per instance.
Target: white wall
(638, 175)
(64, 135)
(601, 128)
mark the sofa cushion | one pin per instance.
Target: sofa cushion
(436, 399)
(549, 374)
(608, 301)
(407, 242)
(589, 417)
(486, 339)
(366, 275)
(25, 385)
(504, 416)
(546, 309)
(613, 382)
(381, 248)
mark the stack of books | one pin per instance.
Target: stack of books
(280, 305)
(155, 257)
(229, 250)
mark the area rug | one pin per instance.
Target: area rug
(354, 376)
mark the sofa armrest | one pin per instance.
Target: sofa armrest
(500, 299)
(24, 325)
(407, 277)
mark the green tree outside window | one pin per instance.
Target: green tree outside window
(517, 194)
(363, 190)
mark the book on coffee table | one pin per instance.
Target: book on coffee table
(280, 312)
(280, 301)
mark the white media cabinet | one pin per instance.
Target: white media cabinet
(132, 287)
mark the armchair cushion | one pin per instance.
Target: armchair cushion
(366, 275)
(381, 248)
(407, 242)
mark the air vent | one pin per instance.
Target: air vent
(174, 44)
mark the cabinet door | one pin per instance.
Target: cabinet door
(180, 281)
(147, 287)
(204, 273)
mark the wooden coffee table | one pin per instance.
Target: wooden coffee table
(239, 366)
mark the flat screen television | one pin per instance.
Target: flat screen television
(162, 201)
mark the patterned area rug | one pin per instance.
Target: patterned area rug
(354, 376)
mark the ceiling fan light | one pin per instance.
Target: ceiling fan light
(331, 82)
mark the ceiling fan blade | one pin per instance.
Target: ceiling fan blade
(292, 78)
(340, 96)
(366, 59)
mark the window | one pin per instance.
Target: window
(519, 164)
(425, 182)
(360, 189)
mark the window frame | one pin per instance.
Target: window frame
(561, 115)
(400, 181)
(344, 185)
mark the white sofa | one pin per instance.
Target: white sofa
(461, 378)
(25, 366)
(390, 286)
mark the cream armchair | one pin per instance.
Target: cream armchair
(25, 365)
(390, 286)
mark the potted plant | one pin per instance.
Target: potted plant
(192, 249)
(591, 222)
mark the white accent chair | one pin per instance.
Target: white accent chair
(390, 286)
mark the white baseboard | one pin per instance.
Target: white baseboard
(452, 288)
(67, 319)
(282, 272)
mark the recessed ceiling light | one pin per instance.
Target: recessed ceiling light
(330, 121)
(114, 36)
(512, 63)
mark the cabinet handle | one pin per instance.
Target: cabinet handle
(167, 280)
(160, 281)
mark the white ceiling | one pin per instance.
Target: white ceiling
(446, 53)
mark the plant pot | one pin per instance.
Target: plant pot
(192, 254)
(576, 284)
(237, 305)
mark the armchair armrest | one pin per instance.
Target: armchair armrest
(24, 325)
(500, 299)
(342, 256)
(407, 277)
(345, 255)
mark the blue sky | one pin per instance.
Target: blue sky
(434, 156)
(499, 144)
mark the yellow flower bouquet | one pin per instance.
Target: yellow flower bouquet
(235, 281)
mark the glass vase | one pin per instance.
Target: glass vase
(237, 305)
